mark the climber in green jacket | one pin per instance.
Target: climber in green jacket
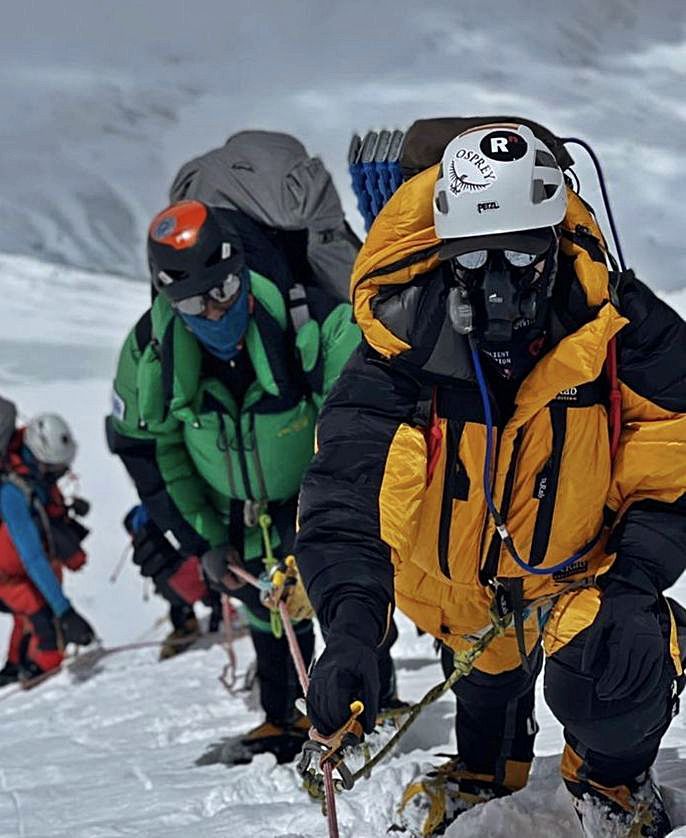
(215, 401)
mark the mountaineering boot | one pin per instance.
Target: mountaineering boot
(180, 639)
(430, 803)
(32, 674)
(284, 741)
(9, 674)
(634, 810)
(392, 707)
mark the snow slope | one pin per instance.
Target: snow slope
(113, 757)
(102, 102)
(61, 331)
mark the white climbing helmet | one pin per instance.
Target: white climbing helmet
(50, 440)
(497, 179)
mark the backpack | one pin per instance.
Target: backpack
(426, 139)
(381, 161)
(8, 422)
(270, 177)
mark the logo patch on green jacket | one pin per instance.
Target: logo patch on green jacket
(295, 426)
(118, 406)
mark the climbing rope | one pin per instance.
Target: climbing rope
(463, 664)
(228, 674)
(301, 669)
(81, 661)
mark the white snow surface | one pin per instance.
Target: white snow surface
(113, 757)
(102, 102)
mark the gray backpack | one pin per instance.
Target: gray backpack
(270, 177)
(8, 424)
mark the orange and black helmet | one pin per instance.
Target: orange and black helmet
(192, 250)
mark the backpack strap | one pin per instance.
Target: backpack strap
(33, 503)
(298, 307)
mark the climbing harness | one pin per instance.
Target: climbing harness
(270, 563)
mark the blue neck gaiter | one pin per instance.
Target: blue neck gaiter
(222, 337)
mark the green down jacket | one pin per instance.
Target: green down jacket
(194, 453)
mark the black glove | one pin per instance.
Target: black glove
(625, 647)
(217, 564)
(152, 552)
(347, 670)
(75, 629)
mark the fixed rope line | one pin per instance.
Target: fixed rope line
(228, 675)
(90, 657)
(301, 669)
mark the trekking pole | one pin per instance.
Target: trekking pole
(119, 566)
(228, 676)
(301, 669)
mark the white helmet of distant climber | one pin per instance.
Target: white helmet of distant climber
(49, 438)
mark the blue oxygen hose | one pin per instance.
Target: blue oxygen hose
(500, 525)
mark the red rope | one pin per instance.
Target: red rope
(301, 669)
(615, 417)
(434, 439)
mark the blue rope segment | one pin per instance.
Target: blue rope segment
(360, 189)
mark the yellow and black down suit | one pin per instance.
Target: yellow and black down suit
(377, 523)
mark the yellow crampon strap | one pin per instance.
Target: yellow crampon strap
(270, 562)
(435, 794)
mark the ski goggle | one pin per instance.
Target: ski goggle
(476, 259)
(197, 304)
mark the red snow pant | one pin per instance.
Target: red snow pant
(34, 634)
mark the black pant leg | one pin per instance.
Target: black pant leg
(279, 685)
(43, 624)
(495, 722)
(616, 739)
